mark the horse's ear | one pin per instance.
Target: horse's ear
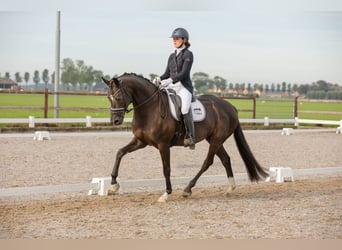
(116, 82)
(105, 81)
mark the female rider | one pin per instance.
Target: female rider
(177, 77)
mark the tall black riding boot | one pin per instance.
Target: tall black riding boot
(189, 141)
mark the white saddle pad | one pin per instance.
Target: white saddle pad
(197, 108)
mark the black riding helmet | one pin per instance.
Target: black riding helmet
(180, 32)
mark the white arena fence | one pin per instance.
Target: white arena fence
(136, 186)
(88, 121)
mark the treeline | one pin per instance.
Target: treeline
(79, 74)
(76, 75)
(36, 78)
(316, 90)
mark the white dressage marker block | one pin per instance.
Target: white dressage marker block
(339, 130)
(281, 174)
(41, 135)
(102, 187)
(287, 131)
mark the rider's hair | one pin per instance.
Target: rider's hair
(186, 43)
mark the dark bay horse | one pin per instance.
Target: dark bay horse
(153, 125)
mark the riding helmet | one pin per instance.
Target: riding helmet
(180, 32)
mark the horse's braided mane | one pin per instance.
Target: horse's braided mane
(136, 75)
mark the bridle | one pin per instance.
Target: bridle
(124, 95)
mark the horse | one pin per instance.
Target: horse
(153, 125)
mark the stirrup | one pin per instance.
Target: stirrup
(189, 143)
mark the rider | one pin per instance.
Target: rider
(177, 77)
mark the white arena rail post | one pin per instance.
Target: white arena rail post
(31, 122)
(339, 129)
(88, 121)
(267, 121)
(296, 121)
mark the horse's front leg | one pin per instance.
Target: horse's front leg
(135, 144)
(164, 151)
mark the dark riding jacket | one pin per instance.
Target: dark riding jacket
(178, 68)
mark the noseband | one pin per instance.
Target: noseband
(124, 108)
(124, 94)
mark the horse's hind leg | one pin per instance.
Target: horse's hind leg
(206, 164)
(225, 159)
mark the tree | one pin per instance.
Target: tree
(249, 87)
(237, 87)
(85, 74)
(69, 73)
(295, 87)
(79, 73)
(53, 78)
(283, 87)
(26, 77)
(323, 85)
(45, 76)
(255, 86)
(7, 75)
(18, 78)
(200, 80)
(272, 87)
(220, 83)
(36, 77)
(303, 89)
(243, 86)
(231, 85)
(97, 74)
(267, 88)
(210, 84)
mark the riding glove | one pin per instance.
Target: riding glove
(156, 81)
(166, 82)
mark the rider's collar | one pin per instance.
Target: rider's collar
(179, 50)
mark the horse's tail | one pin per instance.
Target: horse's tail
(255, 171)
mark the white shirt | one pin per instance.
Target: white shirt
(179, 50)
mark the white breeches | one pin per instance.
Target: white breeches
(184, 94)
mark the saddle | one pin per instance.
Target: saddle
(175, 102)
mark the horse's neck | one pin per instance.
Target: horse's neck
(139, 92)
(145, 100)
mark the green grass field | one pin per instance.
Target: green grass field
(284, 108)
(37, 100)
(272, 108)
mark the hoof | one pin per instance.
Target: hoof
(230, 190)
(114, 189)
(186, 194)
(163, 198)
(231, 186)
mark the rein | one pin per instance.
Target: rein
(124, 108)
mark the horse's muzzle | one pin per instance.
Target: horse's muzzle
(116, 120)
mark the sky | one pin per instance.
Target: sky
(261, 41)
